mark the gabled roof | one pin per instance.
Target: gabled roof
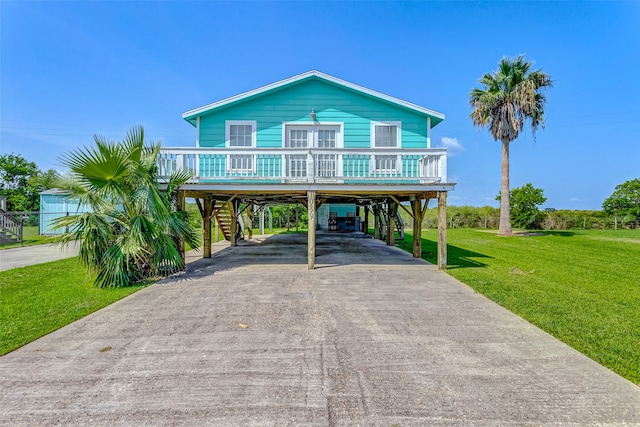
(191, 115)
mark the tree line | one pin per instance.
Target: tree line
(488, 217)
(621, 210)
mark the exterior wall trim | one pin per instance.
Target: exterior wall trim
(198, 131)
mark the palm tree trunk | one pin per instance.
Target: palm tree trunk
(505, 204)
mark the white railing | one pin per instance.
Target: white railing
(428, 165)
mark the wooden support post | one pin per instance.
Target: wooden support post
(442, 230)
(206, 227)
(311, 239)
(234, 222)
(391, 232)
(250, 217)
(400, 205)
(376, 222)
(365, 223)
(417, 228)
(180, 207)
(216, 236)
(262, 219)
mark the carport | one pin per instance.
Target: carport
(384, 201)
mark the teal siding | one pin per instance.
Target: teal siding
(331, 103)
(342, 209)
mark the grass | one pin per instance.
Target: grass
(583, 287)
(39, 299)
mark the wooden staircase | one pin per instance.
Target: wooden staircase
(383, 219)
(10, 229)
(223, 217)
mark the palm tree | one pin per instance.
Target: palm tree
(133, 231)
(511, 96)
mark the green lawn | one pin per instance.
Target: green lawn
(39, 299)
(583, 287)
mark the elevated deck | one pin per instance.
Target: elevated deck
(322, 169)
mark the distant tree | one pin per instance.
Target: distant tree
(44, 180)
(524, 206)
(133, 229)
(511, 96)
(625, 200)
(487, 213)
(21, 182)
(289, 215)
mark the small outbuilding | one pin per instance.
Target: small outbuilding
(56, 203)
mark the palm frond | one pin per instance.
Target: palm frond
(511, 97)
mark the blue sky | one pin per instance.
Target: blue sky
(72, 69)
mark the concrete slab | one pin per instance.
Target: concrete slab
(38, 254)
(251, 337)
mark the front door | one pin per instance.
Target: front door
(297, 137)
(312, 136)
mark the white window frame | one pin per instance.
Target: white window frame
(313, 143)
(229, 123)
(314, 125)
(398, 169)
(398, 126)
(227, 143)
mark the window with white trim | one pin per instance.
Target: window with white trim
(312, 135)
(385, 134)
(240, 134)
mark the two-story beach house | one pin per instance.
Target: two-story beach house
(341, 150)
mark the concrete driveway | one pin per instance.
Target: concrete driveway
(251, 337)
(38, 254)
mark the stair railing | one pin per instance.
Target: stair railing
(11, 225)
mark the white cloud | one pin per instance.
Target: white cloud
(452, 145)
(575, 199)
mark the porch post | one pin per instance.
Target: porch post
(180, 207)
(417, 228)
(262, 219)
(365, 225)
(206, 227)
(311, 239)
(234, 222)
(442, 230)
(216, 232)
(391, 234)
(376, 222)
(250, 216)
